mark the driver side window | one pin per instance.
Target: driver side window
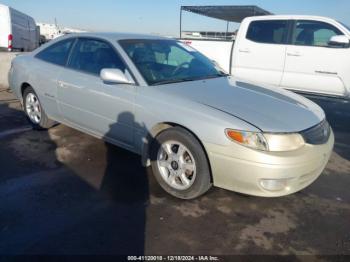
(92, 55)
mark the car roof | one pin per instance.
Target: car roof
(343, 28)
(291, 17)
(113, 36)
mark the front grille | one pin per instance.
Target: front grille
(317, 135)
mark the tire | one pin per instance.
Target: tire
(31, 103)
(180, 164)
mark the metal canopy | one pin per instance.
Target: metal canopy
(229, 13)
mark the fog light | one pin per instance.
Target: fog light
(274, 185)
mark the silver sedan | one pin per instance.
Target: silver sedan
(192, 123)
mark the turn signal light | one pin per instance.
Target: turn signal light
(249, 139)
(235, 135)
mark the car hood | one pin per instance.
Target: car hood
(267, 108)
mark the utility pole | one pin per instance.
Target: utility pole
(56, 23)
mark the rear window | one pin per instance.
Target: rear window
(269, 32)
(57, 53)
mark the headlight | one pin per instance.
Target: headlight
(266, 142)
(284, 142)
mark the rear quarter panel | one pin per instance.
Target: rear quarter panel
(18, 74)
(41, 76)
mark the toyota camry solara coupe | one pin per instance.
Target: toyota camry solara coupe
(192, 123)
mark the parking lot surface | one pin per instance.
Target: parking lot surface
(64, 192)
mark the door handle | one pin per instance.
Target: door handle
(244, 50)
(293, 54)
(326, 72)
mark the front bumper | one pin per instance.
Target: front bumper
(242, 170)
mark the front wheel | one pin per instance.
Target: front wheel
(179, 164)
(34, 111)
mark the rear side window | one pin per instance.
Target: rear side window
(268, 32)
(57, 53)
(91, 56)
(314, 33)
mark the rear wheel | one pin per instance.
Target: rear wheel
(34, 111)
(180, 164)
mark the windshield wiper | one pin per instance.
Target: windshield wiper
(211, 76)
(174, 81)
(219, 75)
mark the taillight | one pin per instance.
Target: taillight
(10, 38)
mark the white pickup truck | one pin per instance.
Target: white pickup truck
(306, 54)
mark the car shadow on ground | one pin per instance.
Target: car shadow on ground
(125, 179)
(47, 208)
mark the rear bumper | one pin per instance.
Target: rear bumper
(242, 170)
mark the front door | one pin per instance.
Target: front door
(260, 54)
(85, 101)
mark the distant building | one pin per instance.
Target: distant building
(49, 31)
(52, 31)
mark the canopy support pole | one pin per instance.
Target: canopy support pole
(227, 27)
(181, 22)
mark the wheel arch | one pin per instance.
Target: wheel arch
(159, 128)
(24, 86)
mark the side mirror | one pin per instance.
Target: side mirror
(339, 41)
(115, 76)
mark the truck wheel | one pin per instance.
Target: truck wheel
(179, 164)
(34, 111)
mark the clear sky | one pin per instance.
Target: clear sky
(160, 16)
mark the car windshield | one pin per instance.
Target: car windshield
(169, 61)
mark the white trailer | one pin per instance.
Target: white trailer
(18, 31)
